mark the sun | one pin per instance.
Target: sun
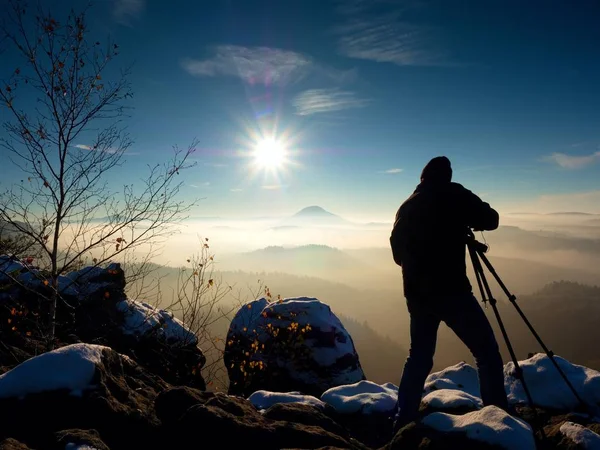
(270, 154)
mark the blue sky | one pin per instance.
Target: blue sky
(364, 93)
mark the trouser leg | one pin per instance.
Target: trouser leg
(423, 336)
(471, 325)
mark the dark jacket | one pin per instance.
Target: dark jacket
(429, 238)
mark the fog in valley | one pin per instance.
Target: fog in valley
(550, 261)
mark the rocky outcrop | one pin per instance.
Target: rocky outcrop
(93, 307)
(293, 344)
(83, 387)
(302, 385)
(234, 423)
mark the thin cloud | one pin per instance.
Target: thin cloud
(392, 171)
(315, 101)
(369, 35)
(236, 190)
(573, 162)
(197, 186)
(264, 65)
(254, 65)
(124, 11)
(215, 165)
(272, 187)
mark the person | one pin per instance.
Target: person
(428, 241)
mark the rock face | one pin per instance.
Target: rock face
(293, 344)
(93, 307)
(85, 387)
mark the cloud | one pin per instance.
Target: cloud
(392, 171)
(84, 147)
(205, 184)
(236, 190)
(272, 187)
(215, 165)
(386, 37)
(264, 65)
(126, 10)
(254, 65)
(571, 161)
(314, 101)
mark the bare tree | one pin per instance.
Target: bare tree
(66, 133)
(198, 300)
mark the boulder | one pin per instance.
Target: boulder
(93, 308)
(80, 386)
(488, 428)
(292, 344)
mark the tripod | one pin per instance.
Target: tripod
(477, 252)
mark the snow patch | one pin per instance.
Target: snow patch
(491, 425)
(451, 398)
(265, 399)
(141, 319)
(82, 279)
(71, 367)
(581, 435)
(547, 386)
(461, 376)
(363, 397)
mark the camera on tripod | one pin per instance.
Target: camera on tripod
(479, 247)
(479, 260)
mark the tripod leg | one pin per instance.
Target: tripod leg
(483, 283)
(549, 353)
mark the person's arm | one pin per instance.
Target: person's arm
(480, 215)
(395, 239)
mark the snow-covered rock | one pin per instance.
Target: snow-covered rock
(71, 368)
(580, 435)
(93, 280)
(445, 399)
(144, 320)
(461, 376)
(293, 344)
(546, 385)
(491, 425)
(265, 399)
(81, 284)
(363, 397)
(60, 397)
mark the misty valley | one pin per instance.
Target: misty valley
(348, 265)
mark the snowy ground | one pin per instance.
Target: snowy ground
(71, 368)
(457, 386)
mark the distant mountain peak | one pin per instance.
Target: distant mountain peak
(313, 211)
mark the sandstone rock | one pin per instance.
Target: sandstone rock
(293, 344)
(73, 439)
(80, 387)
(233, 422)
